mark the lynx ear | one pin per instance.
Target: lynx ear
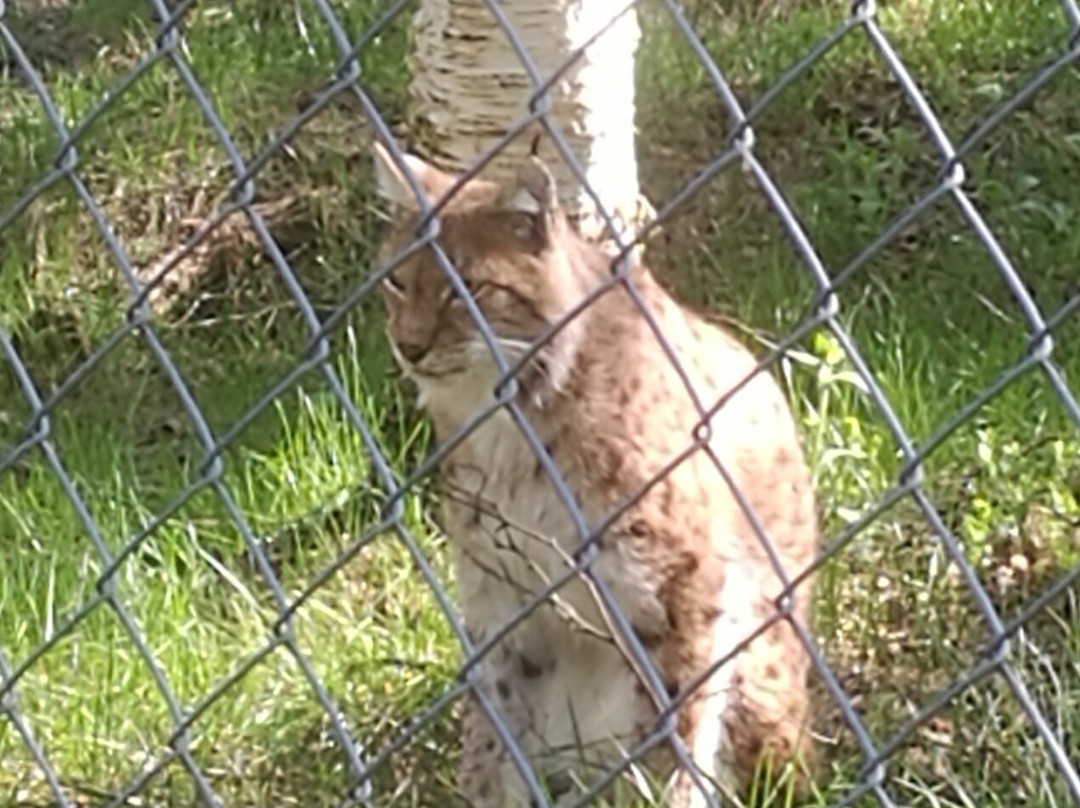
(393, 186)
(534, 202)
(534, 192)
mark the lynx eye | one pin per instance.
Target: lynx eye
(474, 288)
(501, 297)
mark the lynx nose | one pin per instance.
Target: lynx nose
(412, 352)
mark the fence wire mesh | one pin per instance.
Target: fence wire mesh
(367, 743)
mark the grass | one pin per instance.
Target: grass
(930, 316)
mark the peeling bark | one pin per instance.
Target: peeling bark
(470, 87)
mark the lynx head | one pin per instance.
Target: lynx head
(516, 255)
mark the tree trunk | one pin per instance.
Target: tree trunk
(470, 87)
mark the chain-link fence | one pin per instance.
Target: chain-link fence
(366, 745)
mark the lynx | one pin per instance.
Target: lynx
(677, 555)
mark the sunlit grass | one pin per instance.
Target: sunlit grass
(931, 317)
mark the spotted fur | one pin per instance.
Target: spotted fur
(608, 410)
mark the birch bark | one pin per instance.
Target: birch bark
(469, 87)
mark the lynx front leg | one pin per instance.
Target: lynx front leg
(701, 718)
(701, 731)
(489, 778)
